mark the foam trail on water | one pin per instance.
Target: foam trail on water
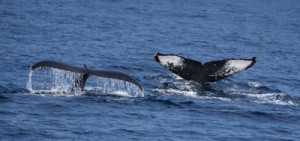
(231, 92)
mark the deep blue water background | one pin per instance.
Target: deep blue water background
(261, 103)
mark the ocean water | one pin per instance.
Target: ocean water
(261, 103)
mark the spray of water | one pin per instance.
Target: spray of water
(47, 80)
(112, 86)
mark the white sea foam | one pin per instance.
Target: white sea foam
(272, 98)
(180, 89)
(191, 94)
(254, 84)
(229, 94)
(176, 91)
(218, 98)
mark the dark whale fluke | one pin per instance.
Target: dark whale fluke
(85, 73)
(202, 73)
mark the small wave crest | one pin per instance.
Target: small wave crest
(59, 82)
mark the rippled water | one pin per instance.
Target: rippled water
(261, 103)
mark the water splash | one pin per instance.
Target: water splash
(273, 98)
(252, 92)
(112, 86)
(50, 80)
(47, 80)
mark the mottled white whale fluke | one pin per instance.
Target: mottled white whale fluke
(202, 73)
(85, 73)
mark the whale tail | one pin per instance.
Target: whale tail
(80, 81)
(85, 73)
(201, 73)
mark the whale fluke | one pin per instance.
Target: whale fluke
(201, 73)
(85, 73)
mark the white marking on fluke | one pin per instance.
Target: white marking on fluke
(168, 61)
(234, 66)
(192, 70)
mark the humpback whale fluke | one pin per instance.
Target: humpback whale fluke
(193, 70)
(85, 73)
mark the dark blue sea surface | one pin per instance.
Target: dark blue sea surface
(261, 103)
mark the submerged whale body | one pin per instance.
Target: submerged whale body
(201, 73)
(85, 73)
